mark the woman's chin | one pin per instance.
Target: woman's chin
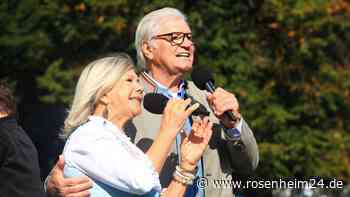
(136, 112)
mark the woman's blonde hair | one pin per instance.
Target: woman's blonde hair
(96, 80)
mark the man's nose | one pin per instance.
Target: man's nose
(187, 43)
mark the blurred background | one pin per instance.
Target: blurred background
(287, 61)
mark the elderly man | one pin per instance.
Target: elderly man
(165, 50)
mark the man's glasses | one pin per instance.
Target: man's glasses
(175, 38)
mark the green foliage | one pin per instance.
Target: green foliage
(57, 82)
(287, 62)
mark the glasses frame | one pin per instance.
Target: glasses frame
(170, 37)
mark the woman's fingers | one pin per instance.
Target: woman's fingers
(191, 109)
(208, 132)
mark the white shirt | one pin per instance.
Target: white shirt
(104, 153)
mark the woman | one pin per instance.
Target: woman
(108, 94)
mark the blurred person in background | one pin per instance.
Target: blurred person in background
(19, 166)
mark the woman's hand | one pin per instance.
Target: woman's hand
(194, 145)
(175, 114)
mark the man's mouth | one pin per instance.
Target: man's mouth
(183, 54)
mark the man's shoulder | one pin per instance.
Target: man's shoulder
(191, 86)
(196, 93)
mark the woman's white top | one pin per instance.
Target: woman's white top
(102, 151)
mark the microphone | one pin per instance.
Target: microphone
(144, 144)
(155, 103)
(204, 80)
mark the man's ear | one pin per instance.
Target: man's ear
(147, 50)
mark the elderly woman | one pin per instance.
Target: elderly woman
(108, 94)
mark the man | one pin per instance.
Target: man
(19, 166)
(165, 50)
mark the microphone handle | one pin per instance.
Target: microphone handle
(211, 88)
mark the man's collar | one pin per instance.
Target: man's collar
(160, 88)
(153, 81)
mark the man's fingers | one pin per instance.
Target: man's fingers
(76, 189)
(77, 180)
(80, 194)
(210, 96)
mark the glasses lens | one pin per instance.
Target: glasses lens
(177, 38)
(189, 36)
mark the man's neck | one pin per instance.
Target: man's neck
(169, 81)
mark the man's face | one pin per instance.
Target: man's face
(173, 47)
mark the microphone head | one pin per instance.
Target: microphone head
(201, 76)
(155, 103)
(144, 144)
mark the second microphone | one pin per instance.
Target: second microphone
(155, 103)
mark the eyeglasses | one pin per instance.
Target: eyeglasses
(175, 38)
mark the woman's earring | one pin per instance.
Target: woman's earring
(107, 111)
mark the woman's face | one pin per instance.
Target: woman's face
(126, 96)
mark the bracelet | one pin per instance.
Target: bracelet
(182, 176)
(182, 180)
(184, 172)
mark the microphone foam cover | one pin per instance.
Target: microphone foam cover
(155, 103)
(200, 76)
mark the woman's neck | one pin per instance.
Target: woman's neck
(117, 120)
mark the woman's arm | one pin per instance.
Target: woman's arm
(192, 148)
(175, 115)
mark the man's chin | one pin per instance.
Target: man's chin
(186, 69)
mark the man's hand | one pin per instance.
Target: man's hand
(58, 186)
(221, 101)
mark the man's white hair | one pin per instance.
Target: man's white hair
(149, 24)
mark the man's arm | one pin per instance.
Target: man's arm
(243, 152)
(241, 145)
(58, 186)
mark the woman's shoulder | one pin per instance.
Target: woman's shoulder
(90, 131)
